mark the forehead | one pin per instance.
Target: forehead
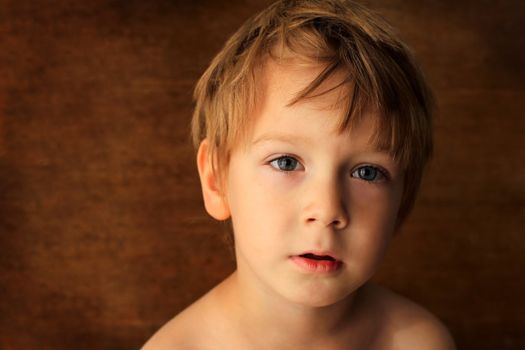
(278, 86)
(284, 81)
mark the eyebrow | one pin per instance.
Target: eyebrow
(287, 138)
(299, 139)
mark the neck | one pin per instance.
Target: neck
(259, 311)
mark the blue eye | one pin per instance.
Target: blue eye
(285, 163)
(369, 173)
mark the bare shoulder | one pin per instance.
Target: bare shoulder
(175, 334)
(184, 331)
(408, 325)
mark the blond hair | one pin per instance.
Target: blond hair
(339, 34)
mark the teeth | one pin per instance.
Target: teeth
(317, 257)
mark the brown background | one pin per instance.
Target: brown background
(103, 236)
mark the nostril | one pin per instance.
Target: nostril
(338, 222)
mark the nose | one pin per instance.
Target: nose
(325, 205)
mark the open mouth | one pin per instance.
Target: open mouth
(320, 263)
(317, 257)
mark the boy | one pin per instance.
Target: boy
(313, 126)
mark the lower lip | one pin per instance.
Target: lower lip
(316, 266)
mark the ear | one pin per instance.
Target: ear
(214, 202)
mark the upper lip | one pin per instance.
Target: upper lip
(321, 253)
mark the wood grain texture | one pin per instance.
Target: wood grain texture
(102, 229)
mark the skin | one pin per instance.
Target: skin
(297, 186)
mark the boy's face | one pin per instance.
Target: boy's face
(301, 187)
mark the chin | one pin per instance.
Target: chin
(318, 296)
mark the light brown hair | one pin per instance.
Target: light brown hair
(340, 35)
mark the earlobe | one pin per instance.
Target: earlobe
(214, 201)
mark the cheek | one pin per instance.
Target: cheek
(260, 208)
(373, 213)
(277, 189)
(258, 195)
(374, 206)
(272, 192)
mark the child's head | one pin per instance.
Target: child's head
(371, 66)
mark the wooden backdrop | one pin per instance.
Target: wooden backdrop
(103, 236)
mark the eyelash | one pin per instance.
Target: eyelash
(284, 156)
(380, 170)
(383, 173)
